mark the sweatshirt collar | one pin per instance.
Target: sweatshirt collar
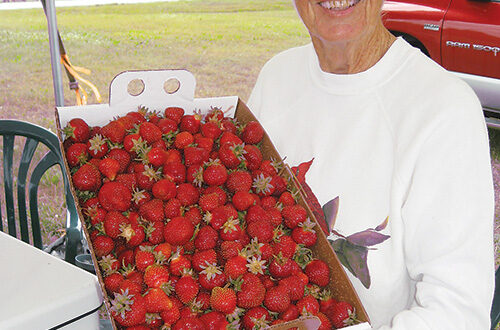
(362, 81)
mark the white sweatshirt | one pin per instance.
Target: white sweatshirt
(407, 140)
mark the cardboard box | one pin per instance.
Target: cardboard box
(155, 97)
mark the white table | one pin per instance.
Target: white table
(40, 291)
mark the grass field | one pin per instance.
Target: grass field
(223, 42)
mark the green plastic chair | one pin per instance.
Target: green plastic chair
(495, 308)
(35, 135)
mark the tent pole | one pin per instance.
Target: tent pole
(55, 52)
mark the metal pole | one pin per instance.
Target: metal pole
(55, 53)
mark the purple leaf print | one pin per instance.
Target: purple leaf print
(367, 238)
(330, 209)
(382, 225)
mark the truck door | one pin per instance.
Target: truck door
(471, 37)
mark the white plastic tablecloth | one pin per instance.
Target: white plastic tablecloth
(40, 291)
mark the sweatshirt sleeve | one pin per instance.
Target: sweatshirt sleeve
(448, 225)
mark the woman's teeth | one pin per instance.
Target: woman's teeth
(338, 4)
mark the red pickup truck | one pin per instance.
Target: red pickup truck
(463, 36)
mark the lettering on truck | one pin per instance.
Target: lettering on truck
(485, 48)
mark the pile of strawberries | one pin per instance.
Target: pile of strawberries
(192, 228)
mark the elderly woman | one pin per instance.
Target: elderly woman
(394, 136)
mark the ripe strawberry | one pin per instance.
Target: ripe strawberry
(285, 245)
(256, 213)
(170, 316)
(295, 287)
(280, 267)
(122, 157)
(256, 318)
(156, 156)
(219, 191)
(112, 282)
(252, 133)
(77, 154)
(261, 229)
(279, 184)
(97, 146)
(164, 189)
(178, 231)
(190, 323)
(204, 142)
(194, 215)
(308, 304)
(291, 313)
(115, 196)
(129, 181)
(239, 181)
(95, 214)
(305, 234)
(341, 314)
(211, 276)
(195, 155)
(269, 167)
(133, 233)
(242, 200)
(186, 288)
(230, 249)
(183, 139)
(103, 245)
(190, 123)
(77, 130)
(253, 157)
(127, 122)
(215, 174)
(150, 132)
(172, 208)
(109, 167)
(252, 292)
(235, 266)
(147, 178)
(144, 257)
(152, 210)
(87, 178)
(128, 309)
(214, 320)
(113, 223)
(223, 300)
(164, 249)
(157, 300)
(187, 194)
(231, 230)
(262, 185)
(229, 137)
(293, 215)
(175, 171)
(174, 113)
(231, 154)
(133, 144)
(210, 130)
(325, 322)
(167, 125)
(202, 258)
(277, 299)
(209, 202)
(114, 131)
(206, 238)
(229, 124)
(156, 276)
(178, 262)
(318, 272)
(136, 116)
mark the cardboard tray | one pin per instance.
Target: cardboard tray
(155, 97)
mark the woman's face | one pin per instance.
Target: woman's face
(339, 20)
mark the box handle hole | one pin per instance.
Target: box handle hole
(135, 87)
(171, 86)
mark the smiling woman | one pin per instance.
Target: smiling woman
(395, 137)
